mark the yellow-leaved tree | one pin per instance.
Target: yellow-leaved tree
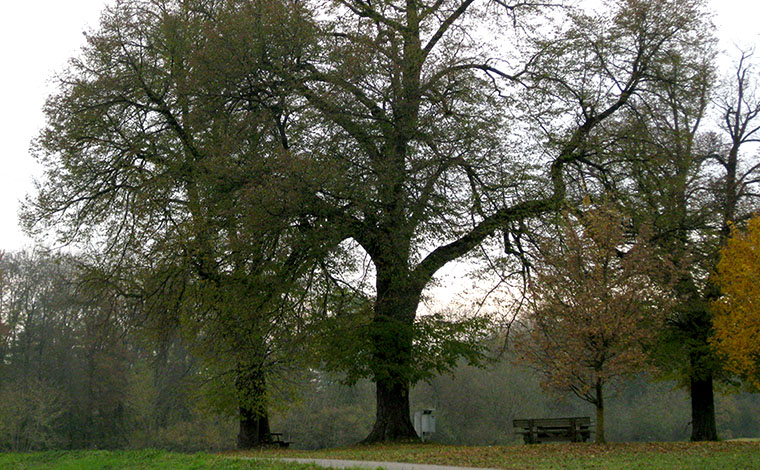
(737, 311)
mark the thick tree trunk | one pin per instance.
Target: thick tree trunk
(702, 408)
(254, 428)
(702, 366)
(696, 329)
(392, 335)
(599, 438)
(392, 418)
(250, 383)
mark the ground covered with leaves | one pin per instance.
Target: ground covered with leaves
(618, 456)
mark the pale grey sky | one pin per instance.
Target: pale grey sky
(38, 36)
(36, 39)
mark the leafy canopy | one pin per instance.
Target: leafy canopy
(595, 306)
(737, 311)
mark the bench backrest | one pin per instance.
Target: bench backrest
(551, 422)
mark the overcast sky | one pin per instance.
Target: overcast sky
(38, 36)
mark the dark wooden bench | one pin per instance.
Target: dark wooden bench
(275, 439)
(577, 429)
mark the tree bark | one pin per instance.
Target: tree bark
(392, 418)
(702, 407)
(254, 428)
(250, 383)
(702, 367)
(392, 336)
(599, 437)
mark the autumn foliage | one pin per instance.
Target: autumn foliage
(594, 308)
(737, 311)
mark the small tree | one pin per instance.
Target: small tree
(737, 311)
(593, 309)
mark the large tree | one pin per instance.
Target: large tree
(689, 184)
(434, 139)
(737, 198)
(666, 187)
(155, 155)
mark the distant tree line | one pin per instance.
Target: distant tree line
(75, 373)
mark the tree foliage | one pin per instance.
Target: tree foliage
(441, 340)
(595, 308)
(155, 154)
(77, 374)
(219, 147)
(441, 140)
(64, 368)
(737, 312)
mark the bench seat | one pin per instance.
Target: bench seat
(574, 429)
(275, 438)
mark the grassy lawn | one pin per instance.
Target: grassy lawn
(618, 456)
(634, 456)
(134, 460)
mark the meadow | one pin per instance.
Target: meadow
(134, 460)
(736, 455)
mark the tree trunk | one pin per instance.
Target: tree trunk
(392, 335)
(599, 438)
(254, 428)
(392, 418)
(250, 384)
(702, 408)
(702, 366)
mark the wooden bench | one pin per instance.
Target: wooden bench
(275, 438)
(576, 429)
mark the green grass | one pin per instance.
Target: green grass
(135, 460)
(617, 456)
(735, 455)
